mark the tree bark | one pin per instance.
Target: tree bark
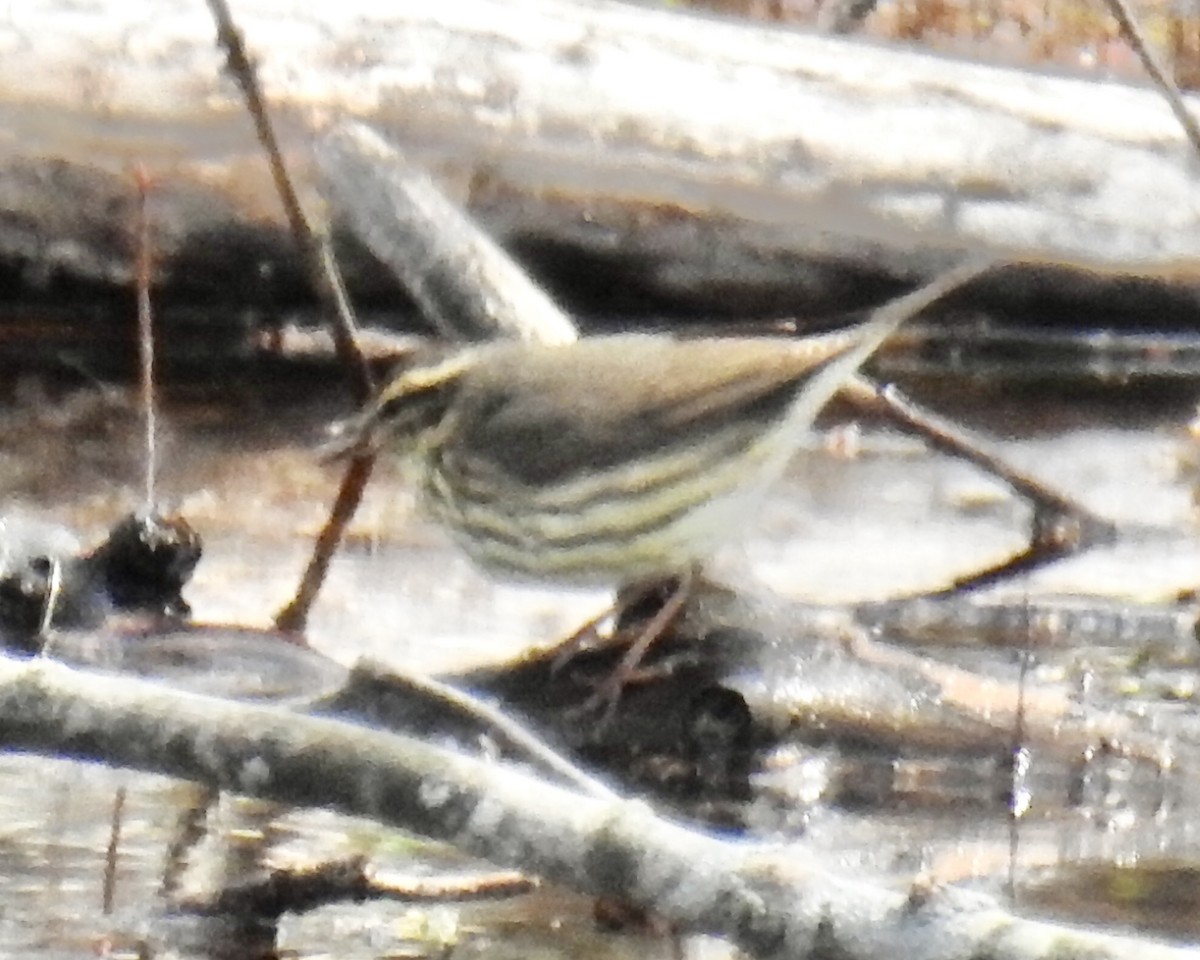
(771, 901)
(692, 159)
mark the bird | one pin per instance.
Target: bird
(612, 459)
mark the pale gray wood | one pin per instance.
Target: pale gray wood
(772, 901)
(465, 284)
(687, 150)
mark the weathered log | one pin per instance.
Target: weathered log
(772, 900)
(651, 155)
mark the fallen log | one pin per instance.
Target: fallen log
(654, 158)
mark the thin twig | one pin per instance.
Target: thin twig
(190, 829)
(1150, 62)
(294, 616)
(1045, 547)
(323, 273)
(1061, 526)
(114, 847)
(53, 592)
(302, 890)
(498, 723)
(145, 319)
(944, 435)
(327, 280)
(1018, 792)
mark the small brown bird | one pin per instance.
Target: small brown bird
(616, 458)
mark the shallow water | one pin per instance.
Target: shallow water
(862, 516)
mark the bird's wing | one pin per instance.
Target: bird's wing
(540, 416)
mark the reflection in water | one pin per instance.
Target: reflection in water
(890, 519)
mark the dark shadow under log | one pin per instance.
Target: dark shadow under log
(637, 160)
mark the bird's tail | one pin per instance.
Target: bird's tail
(871, 334)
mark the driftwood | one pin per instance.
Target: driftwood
(770, 900)
(679, 159)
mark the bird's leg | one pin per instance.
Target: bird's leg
(652, 593)
(581, 639)
(608, 692)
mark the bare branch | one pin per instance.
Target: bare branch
(771, 902)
